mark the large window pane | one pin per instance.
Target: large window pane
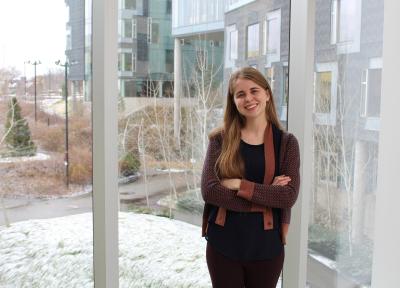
(164, 120)
(347, 96)
(46, 144)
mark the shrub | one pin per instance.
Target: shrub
(80, 159)
(129, 164)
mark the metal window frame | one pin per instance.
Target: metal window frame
(385, 272)
(300, 110)
(104, 119)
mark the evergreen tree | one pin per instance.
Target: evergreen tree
(18, 139)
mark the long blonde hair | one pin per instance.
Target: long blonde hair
(229, 163)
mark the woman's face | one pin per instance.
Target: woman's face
(250, 99)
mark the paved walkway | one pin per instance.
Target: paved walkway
(23, 209)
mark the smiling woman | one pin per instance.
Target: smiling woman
(250, 181)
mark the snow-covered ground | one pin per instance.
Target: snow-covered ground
(153, 252)
(37, 157)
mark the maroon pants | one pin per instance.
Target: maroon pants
(226, 273)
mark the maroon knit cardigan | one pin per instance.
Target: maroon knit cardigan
(253, 196)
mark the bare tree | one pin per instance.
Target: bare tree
(13, 122)
(334, 144)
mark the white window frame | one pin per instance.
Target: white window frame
(272, 55)
(344, 47)
(229, 60)
(327, 118)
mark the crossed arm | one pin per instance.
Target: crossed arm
(241, 195)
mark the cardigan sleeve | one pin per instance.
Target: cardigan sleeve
(276, 196)
(286, 213)
(211, 188)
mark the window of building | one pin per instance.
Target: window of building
(272, 36)
(233, 4)
(149, 29)
(231, 53)
(126, 61)
(127, 28)
(133, 62)
(155, 33)
(169, 60)
(233, 45)
(134, 28)
(169, 7)
(325, 89)
(130, 4)
(253, 40)
(371, 89)
(346, 25)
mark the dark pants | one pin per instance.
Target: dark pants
(226, 273)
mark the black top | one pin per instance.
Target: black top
(243, 236)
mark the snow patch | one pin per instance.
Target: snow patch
(37, 157)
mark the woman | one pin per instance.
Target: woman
(250, 181)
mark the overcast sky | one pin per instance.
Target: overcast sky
(32, 30)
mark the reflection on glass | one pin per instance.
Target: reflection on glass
(346, 135)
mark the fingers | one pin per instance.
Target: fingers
(281, 180)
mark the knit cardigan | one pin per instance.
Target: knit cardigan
(252, 196)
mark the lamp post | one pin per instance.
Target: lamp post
(66, 160)
(35, 63)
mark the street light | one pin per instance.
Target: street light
(66, 160)
(35, 63)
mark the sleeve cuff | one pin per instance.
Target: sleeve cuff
(246, 189)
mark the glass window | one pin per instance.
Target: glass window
(231, 43)
(155, 35)
(371, 92)
(125, 62)
(169, 7)
(272, 36)
(130, 4)
(323, 92)
(46, 226)
(134, 28)
(149, 29)
(233, 37)
(253, 40)
(127, 28)
(345, 152)
(346, 25)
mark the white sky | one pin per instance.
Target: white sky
(32, 30)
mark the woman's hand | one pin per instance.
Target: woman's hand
(233, 184)
(281, 180)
